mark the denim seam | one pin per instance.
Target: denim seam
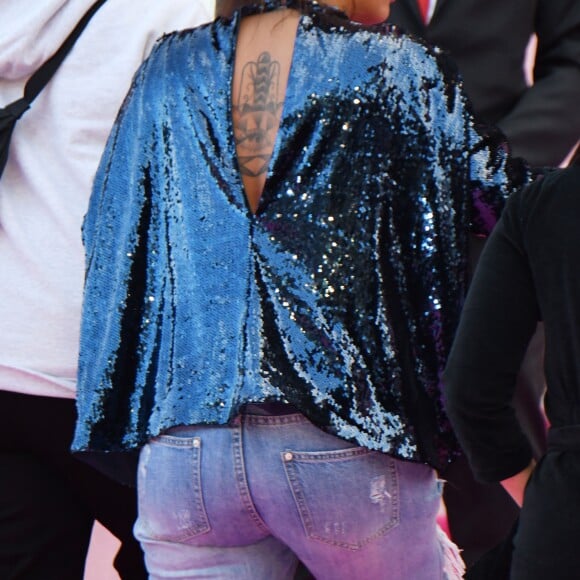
(172, 441)
(274, 420)
(330, 456)
(198, 491)
(195, 479)
(394, 472)
(241, 479)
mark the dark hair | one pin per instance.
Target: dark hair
(227, 7)
(576, 157)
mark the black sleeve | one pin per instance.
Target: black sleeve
(545, 123)
(498, 319)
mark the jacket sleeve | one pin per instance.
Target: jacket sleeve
(116, 234)
(479, 153)
(545, 123)
(497, 321)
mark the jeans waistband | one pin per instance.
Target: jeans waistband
(273, 413)
(564, 438)
(268, 409)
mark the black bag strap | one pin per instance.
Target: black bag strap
(40, 78)
(13, 111)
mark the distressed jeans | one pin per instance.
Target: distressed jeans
(246, 500)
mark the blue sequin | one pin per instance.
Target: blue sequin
(340, 295)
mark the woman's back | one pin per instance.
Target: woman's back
(324, 267)
(265, 43)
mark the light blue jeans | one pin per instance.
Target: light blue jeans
(244, 501)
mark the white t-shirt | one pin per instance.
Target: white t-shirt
(54, 153)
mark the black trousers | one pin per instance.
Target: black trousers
(50, 500)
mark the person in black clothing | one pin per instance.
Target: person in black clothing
(489, 40)
(528, 272)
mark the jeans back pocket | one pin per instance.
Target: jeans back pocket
(346, 497)
(171, 505)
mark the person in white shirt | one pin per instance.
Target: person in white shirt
(48, 500)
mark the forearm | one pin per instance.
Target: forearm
(498, 319)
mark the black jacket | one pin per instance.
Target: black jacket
(488, 40)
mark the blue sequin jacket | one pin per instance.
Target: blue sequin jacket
(340, 295)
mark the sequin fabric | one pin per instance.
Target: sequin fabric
(340, 295)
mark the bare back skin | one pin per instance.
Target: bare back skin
(263, 58)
